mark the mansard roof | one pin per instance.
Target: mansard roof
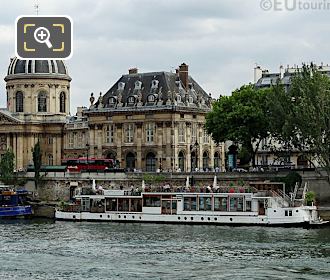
(153, 90)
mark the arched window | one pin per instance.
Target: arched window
(42, 102)
(62, 102)
(216, 160)
(130, 161)
(50, 160)
(181, 161)
(150, 162)
(205, 160)
(19, 102)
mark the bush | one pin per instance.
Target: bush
(310, 197)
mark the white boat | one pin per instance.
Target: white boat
(259, 207)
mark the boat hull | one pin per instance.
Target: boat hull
(15, 211)
(232, 220)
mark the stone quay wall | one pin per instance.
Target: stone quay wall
(57, 186)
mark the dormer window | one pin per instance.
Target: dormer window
(131, 100)
(121, 86)
(154, 84)
(112, 101)
(191, 100)
(151, 98)
(138, 85)
(178, 98)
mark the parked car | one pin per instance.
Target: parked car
(239, 170)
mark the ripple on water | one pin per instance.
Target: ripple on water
(63, 250)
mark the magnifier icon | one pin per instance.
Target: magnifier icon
(41, 35)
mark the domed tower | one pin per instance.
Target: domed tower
(38, 87)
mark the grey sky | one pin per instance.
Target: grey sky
(220, 40)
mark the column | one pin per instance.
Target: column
(15, 149)
(139, 146)
(8, 141)
(188, 141)
(91, 141)
(118, 144)
(168, 142)
(20, 151)
(174, 145)
(58, 150)
(99, 139)
(200, 147)
(211, 145)
(223, 156)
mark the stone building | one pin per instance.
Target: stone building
(38, 101)
(146, 121)
(149, 122)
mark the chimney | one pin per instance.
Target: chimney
(281, 72)
(183, 75)
(133, 71)
(80, 111)
(257, 73)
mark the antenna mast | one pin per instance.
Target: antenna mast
(36, 8)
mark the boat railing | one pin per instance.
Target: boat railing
(138, 191)
(70, 208)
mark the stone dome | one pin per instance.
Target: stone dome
(37, 68)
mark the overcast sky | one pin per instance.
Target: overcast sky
(221, 40)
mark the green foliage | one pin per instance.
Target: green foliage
(150, 178)
(241, 118)
(37, 161)
(310, 197)
(300, 118)
(244, 156)
(241, 182)
(7, 167)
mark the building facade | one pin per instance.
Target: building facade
(38, 101)
(145, 121)
(148, 122)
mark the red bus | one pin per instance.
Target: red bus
(92, 164)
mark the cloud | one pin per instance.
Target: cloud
(220, 40)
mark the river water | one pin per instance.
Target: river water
(43, 249)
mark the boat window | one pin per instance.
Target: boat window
(123, 204)
(190, 204)
(136, 205)
(166, 207)
(152, 201)
(205, 203)
(97, 205)
(247, 205)
(217, 204)
(111, 204)
(290, 213)
(85, 204)
(174, 205)
(236, 204)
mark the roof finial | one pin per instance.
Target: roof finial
(36, 8)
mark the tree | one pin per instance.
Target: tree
(7, 167)
(37, 161)
(303, 115)
(241, 118)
